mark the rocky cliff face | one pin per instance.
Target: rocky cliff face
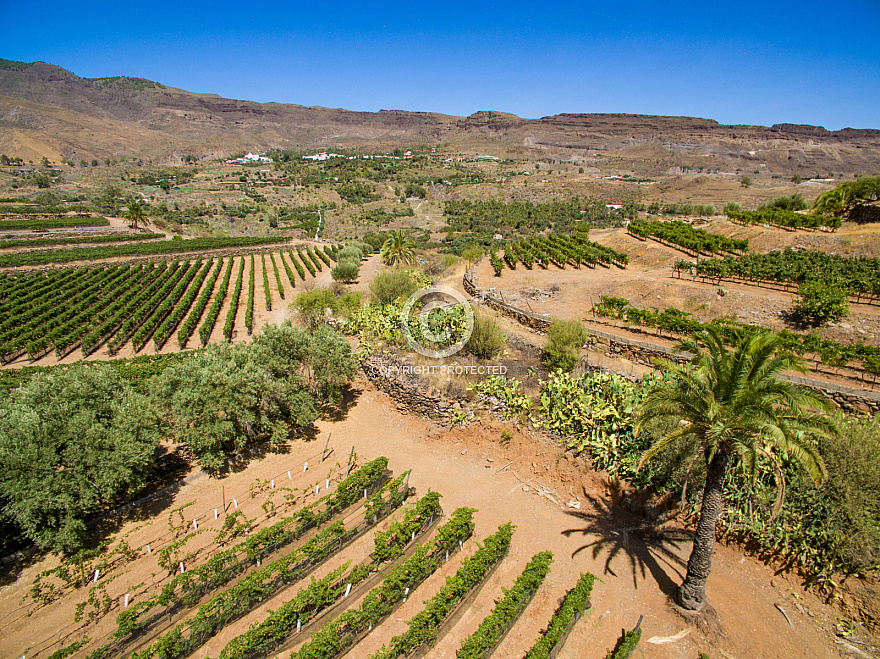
(46, 110)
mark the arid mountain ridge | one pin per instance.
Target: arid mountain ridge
(46, 110)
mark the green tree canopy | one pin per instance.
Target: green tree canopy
(822, 301)
(346, 270)
(312, 305)
(562, 347)
(320, 359)
(72, 441)
(392, 286)
(228, 396)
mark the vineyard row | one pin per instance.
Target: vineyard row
(62, 310)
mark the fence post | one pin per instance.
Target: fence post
(324, 452)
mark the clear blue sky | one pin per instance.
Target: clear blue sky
(748, 62)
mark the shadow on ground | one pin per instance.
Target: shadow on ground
(648, 549)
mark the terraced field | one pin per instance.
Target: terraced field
(133, 305)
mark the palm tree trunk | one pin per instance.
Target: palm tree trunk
(692, 593)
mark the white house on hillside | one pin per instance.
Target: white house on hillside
(250, 157)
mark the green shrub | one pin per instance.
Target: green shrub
(375, 240)
(311, 305)
(350, 252)
(366, 248)
(794, 202)
(487, 339)
(72, 441)
(348, 303)
(563, 345)
(822, 301)
(732, 207)
(472, 253)
(392, 286)
(854, 488)
(346, 270)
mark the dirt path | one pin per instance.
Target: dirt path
(279, 306)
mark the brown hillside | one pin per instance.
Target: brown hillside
(46, 110)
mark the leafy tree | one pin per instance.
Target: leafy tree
(346, 270)
(398, 249)
(732, 405)
(320, 359)
(793, 202)
(392, 286)
(472, 253)
(108, 200)
(732, 207)
(375, 240)
(224, 398)
(72, 441)
(822, 301)
(563, 345)
(745, 181)
(44, 162)
(854, 489)
(41, 180)
(415, 190)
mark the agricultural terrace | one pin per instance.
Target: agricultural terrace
(144, 307)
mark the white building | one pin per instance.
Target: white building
(249, 158)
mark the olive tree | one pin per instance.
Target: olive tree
(72, 441)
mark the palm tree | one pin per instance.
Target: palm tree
(832, 201)
(135, 213)
(398, 248)
(733, 404)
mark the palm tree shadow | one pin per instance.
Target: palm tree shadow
(648, 548)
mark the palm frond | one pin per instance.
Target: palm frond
(736, 401)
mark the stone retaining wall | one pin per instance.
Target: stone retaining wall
(400, 379)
